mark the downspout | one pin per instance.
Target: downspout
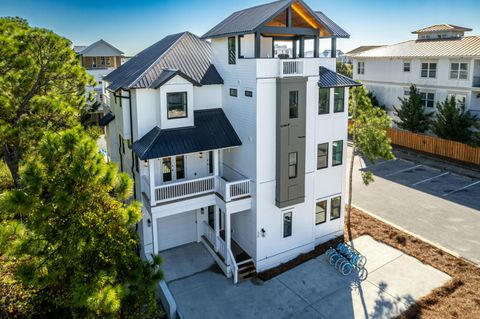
(131, 133)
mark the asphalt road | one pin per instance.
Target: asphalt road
(435, 203)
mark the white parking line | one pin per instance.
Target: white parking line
(460, 189)
(429, 179)
(379, 163)
(403, 170)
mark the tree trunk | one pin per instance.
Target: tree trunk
(12, 163)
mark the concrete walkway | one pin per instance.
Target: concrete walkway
(313, 290)
(435, 204)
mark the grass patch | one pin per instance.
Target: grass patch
(459, 298)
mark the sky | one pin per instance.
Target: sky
(132, 25)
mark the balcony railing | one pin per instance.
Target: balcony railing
(291, 68)
(476, 81)
(175, 191)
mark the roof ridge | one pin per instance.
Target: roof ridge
(182, 34)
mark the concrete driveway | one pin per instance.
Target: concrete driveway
(312, 290)
(434, 203)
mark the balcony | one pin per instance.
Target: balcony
(227, 190)
(280, 68)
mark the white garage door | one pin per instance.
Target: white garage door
(177, 230)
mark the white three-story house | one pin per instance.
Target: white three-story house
(231, 146)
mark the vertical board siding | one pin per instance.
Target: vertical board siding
(434, 145)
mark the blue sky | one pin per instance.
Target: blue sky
(134, 25)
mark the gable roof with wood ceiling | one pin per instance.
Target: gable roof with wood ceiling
(282, 18)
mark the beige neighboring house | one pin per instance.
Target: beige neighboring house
(441, 62)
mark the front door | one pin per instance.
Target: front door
(173, 169)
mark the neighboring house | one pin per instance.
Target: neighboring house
(339, 54)
(228, 147)
(282, 49)
(360, 49)
(99, 58)
(441, 62)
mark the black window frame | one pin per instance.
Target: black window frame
(325, 202)
(322, 156)
(166, 173)
(233, 92)
(335, 152)
(335, 208)
(336, 99)
(294, 165)
(180, 173)
(232, 50)
(320, 100)
(361, 67)
(287, 219)
(427, 100)
(211, 216)
(248, 93)
(185, 105)
(293, 104)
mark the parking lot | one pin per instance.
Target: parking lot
(438, 182)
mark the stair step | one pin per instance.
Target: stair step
(247, 275)
(246, 267)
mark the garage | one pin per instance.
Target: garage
(177, 230)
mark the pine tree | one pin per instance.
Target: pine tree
(412, 114)
(453, 122)
(80, 252)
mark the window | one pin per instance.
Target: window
(320, 212)
(287, 224)
(232, 51)
(361, 67)
(180, 166)
(406, 93)
(176, 105)
(94, 62)
(459, 71)
(210, 162)
(429, 70)
(428, 99)
(322, 155)
(337, 153)
(292, 165)
(335, 207)
(108, 60)
(102, 60)
(338, 100)
(248, 93)
(167, 169)
(323, 101)
(293, 104)
(234, 92)
(211, 216)
(406, 66)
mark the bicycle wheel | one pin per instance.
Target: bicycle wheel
(361, 261)
(346, 269)
(362, 274)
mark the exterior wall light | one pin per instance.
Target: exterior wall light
(200, 155)
(264, 232)
(149, 222)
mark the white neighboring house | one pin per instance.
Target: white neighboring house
(441, 62)
(232, 148)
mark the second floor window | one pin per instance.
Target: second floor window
(459, 71)
(322, 155)
(176, 105)
(361, 67)
(337, 153)
(293, 104)
(336, 206)
(428, 99)
(323, 101)
(406, 66)
(292, 165)
(232, 51)
(339, 100)
(429, 70)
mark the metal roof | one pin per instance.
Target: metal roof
(211, 131)
(441, 27)
(107, 118)
(456, 47)
(331, 79)
(82, 49)
(363, 48)
(250, 19)
(183, 53)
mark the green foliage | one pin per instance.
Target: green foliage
(345, 69)
(375, 101)
(6, 181)
(412, 114)
(42, 88)
(454, 123)
(80, 250)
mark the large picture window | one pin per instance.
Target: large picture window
(176, 105)
(337, 153)
(459, 71)
(320, 212)
(335, 207)
(339, 100)
(232, 51)
(287, 224)
(292, 165)
(322, 155)
(323, 101)
(293, 104)
(429, 70)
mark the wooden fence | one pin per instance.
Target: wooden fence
(436, 146)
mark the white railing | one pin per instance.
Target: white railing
(233, 264)
(228, 190)
(222, 248)
(209, 233)
(291, 68)
(145, 186)
(184, 189)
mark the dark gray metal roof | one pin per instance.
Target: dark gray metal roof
(248, 20)
(107, 118)
(183, 52)
(211, 76)
(331, 79)
(212, 130)
(337, 31)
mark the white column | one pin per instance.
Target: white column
(151, 179)
(227, 234)
(155, 235)
(216, 162)
(216, 221)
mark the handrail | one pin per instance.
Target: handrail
(234, 265)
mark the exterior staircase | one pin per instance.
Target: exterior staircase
(246, 269)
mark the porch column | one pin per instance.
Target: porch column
(227, 234)
(316, 46)
(334, 48)
(151, 179)
(216, 162)
(155, 235)
(216, 222)
(257, 45)
(302, 47)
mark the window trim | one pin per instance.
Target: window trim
(333, 153)
(325, 212)
(295, 104)
(426, 100)
(459, 71)
(429, 70)
(233, 92)
(409, 66)
(248, 93)
(328, 100)
(284, 235)
(232, 59)
(360, 67)
(186, 105)
(326, 155)
(335, 207)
